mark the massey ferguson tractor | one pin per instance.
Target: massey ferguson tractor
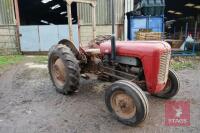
(133, 67)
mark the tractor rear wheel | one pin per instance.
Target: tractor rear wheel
(172, 87)
(63, 69)
(126, 101)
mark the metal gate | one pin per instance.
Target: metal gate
(41, 37)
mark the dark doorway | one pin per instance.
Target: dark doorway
(45, 12)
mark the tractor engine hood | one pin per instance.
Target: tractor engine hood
(154, 55)
(135, 48)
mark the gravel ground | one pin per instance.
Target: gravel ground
(30, 104)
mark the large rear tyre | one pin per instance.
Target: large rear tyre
(63, 69)
(126, 101)
(172, 87)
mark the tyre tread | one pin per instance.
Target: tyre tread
(72, 67)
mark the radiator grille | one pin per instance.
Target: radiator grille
(164, 67)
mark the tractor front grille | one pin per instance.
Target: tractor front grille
(164, 67)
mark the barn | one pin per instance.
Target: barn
(33, 26)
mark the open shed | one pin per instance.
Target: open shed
(41, 23)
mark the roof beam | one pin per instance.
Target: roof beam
(92, 2)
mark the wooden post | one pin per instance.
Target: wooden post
(16, 5)
(94, 20)
(69, 14)
(93, 4)
(186, 30)
(17, 12)
(79, 31)
(195, 30)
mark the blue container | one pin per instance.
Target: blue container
(155, 23)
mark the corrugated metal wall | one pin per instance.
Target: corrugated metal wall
(8, 37)
(103, 12)
(6, 12)
(119, 7)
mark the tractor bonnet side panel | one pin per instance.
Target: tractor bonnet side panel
(155, 56)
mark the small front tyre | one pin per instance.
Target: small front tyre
(126, 101)
(172, 87)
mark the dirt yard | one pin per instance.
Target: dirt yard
(30, 104)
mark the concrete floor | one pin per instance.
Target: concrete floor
(30, 104)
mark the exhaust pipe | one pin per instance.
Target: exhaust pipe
(113, 41)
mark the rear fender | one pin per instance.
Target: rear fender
(71, 46)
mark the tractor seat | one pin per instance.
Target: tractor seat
(93, 51)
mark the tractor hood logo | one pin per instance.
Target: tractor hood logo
(177, 113)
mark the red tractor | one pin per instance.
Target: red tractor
(134, 67)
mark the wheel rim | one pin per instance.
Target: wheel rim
(58, 71)
(123, 105)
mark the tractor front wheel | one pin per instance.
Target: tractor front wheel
(63, 69)
(126, 101)
(172, 87)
